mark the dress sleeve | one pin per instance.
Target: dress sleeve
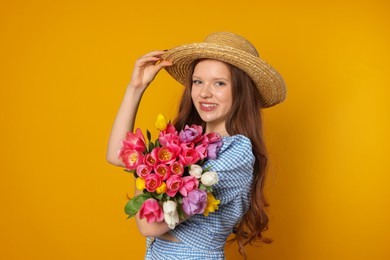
(234, 166)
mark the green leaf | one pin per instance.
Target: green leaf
(180, 212)
(158, 196)
(202, 187)
(207, 169)
(151, 146)
(157, 143)
(148, 135)
(134, 205)
(166, 197)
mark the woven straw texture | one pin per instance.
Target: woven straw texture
(233, 49)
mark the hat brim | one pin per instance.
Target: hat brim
(268, 81)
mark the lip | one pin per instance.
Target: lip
(207, 108)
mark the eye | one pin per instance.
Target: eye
(196, 82)
(220, 83)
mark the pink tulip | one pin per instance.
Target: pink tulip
(132, 159)
(189, 183)
(189, 156)
(151, 158)
(135, 141)
(211, 138)
(143, 170)
(177, 168)
(202, 150)
(174, 184)
(169, 135)
(152, 211)
(152, 182)
(186, 146)
(163, 170)
(167, 154)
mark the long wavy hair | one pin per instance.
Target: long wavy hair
(244, 118)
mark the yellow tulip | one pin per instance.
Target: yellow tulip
(161, 122)
(140, 183)
(162, 188)
(212, 204)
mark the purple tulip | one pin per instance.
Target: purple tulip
(187, 135)
(212, 150)
(191, 134)
(195, 202)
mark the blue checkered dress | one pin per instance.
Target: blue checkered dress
(205, 237)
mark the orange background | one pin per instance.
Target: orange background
(64, 67)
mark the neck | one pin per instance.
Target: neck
(217, 128)
(223, 133)
(220, 132)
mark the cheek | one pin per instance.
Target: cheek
(226, 98)
(193, 95)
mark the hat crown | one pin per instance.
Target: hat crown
(232, 40)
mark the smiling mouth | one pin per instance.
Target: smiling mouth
(208, 105)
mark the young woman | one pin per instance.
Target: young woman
(226, 86)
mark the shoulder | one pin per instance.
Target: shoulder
(240, 142)
(236, 152)
(237, 145)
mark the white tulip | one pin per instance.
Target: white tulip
(195, 170)
(209, 178)
(171, 216)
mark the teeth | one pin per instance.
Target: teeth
(209, 105)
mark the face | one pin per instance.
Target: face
(212, 93)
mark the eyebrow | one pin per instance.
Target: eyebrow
(198, 77)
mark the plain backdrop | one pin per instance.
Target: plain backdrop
(64, 67)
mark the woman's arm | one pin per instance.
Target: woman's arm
(145, 70)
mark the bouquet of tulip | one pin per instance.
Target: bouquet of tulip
(169, 172)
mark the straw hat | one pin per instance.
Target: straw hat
(233, 49)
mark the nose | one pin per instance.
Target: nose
(206, 91)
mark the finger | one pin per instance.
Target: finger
(164, 63)
(147, 60)
(161, 65)
(154, 53)
(150, 58)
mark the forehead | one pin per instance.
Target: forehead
(212, 68)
